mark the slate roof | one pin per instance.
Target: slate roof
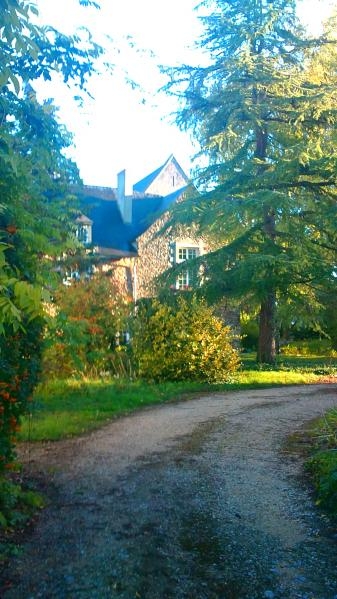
(110, 233)
(143, 184)
(108, 228)
(168, 200)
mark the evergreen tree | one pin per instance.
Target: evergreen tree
(263, 109)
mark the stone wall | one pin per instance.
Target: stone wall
(121, 273)
(155, 254)
(153, 258)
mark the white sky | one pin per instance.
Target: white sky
(121, 127)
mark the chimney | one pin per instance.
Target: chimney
(124, 202)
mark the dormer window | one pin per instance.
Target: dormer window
(83, 233)
(84, 229)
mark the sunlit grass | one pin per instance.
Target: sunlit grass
(72, 407)
(66, 408)
(259, 378)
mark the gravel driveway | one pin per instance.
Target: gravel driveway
(193, 500)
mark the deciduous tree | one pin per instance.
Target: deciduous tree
(35, 220)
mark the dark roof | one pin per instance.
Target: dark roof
(109, 230)
(168, 200)
(143, 184)
(104, 193)
(144, 212)
(110, 233)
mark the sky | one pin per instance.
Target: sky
(121, 127)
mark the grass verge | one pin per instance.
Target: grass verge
(62, 409)
(322, 463)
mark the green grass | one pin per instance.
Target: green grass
(306, 364)
(322, 464)
(72, 407)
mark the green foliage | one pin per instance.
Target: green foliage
(35, 205)
(329, 302)
(323, 463)
(182, 342)
(294, 364)
(30, 52)
(249, 333)
(323, 467)
(90, 315)
(264, 111)
(19, 367)
(308, 347)
(17, 505)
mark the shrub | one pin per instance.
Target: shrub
(82, 334)
(17, 505)
(182, 342)
(308, 347)
(19, 371)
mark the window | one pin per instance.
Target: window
(83, 234)
(183, 280)
(184, 253)
(84, 229)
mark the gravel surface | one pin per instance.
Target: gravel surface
(193, 500)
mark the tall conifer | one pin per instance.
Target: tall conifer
(264, 111)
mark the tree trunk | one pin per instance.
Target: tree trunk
(266, 353)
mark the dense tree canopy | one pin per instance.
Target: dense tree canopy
(35, 212)
(264, 110)
(33, 169)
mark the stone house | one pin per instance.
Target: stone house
(124, 231)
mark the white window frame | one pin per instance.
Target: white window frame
(84, 233)
(192, 250)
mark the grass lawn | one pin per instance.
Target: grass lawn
(71, 407)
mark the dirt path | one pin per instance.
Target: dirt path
(196, 500)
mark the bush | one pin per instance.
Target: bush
(17, 505)
(82, 334)
(19, 372)
(182, 342)
(309, 347)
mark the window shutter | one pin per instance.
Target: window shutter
(173, 253)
